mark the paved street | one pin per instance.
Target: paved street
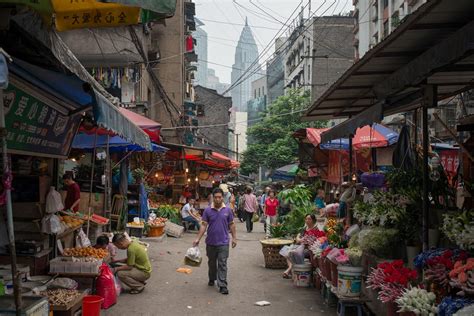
(171, 293)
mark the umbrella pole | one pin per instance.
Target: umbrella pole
(350, 159)
(108, 182)
(7, 188)
(89, 208)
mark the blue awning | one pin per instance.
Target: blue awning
(116, 143)
(69, 89)
(3, 72)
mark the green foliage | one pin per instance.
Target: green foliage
(138, 174)
(273, 145)
(300, 200)
(169, 212)
(278, 231)
(378, 240)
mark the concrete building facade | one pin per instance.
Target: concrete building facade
(174, 72)
(319, 51)
(376, 19)
(276, 71)
(213, 109)
(201, 49)
(245, 69)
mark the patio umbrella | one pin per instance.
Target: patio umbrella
(287, 172)
(373, 136)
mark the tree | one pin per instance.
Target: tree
(273, 145)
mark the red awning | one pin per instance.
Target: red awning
(149, 126)
(314, 135)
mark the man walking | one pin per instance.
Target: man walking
(217, 219)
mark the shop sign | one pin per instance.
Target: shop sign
(34, 127)
(76, 14)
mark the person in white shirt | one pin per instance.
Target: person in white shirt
(188, 215)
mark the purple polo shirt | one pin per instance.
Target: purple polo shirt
(218, 225)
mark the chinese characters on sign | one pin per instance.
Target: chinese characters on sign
(35, 127)
(73, 14)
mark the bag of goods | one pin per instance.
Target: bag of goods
(63, 283)
(54, 202)
(193, 257)
(106, 286)
(82, 240)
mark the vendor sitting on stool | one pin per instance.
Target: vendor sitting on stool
(187, 213)
(137, 269)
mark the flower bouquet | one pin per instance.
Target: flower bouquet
(459, 228)
(390, 279)
(355, 256)
(462, 276)
(417, 301)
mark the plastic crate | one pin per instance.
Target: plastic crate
(32, 306)
(67, 265)
(174, 230)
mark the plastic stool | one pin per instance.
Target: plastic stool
(341, 307)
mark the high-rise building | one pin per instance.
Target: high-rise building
(201, 49)
(213, 82)
(376, 19)
(245, 69)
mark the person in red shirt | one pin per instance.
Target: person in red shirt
(73, 196)
(270, 210)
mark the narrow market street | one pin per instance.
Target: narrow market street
(171, 293)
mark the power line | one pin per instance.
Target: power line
(238, 24)
(259, 15)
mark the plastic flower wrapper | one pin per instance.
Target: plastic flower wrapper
(318, 246)
(390, 279)
(418, 301)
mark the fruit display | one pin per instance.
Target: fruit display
(135, 224)
(60, 296)
(160, 221)
(86, 252)
(71, 222)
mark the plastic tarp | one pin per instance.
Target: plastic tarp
(116, 143)
(106, 113)
(3, 72)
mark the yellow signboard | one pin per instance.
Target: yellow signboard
(76, 14)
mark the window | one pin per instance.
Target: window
(385, 3)
(263, 90)
(200, 110)
(309, 73)
(255, 94)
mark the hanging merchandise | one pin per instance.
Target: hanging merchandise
(189, 44)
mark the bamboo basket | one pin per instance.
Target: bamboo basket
(271, 253)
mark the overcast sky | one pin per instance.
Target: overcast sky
(262, 15)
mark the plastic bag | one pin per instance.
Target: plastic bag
(51, 224)
(255, 217)
(118, 286)
(54, 201)
(81, 240)
(296, 254)
(284, 251)
(106, 287)
(193, 257)
(63, 283)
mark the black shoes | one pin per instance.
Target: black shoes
(211, 283)
(224, 290)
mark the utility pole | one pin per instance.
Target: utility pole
(237, 146)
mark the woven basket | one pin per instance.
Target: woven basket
(271, 253)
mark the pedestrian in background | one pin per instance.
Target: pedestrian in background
(217, 220)
(250, 207)
(271, 211)
(240, 207)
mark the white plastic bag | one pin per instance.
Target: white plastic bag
(193, 257)
(51, 224)
(193, 253)
(54, 201)
(81, 240)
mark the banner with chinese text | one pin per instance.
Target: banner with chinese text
(34, 127)
(75, 14)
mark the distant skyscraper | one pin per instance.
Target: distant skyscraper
(201, 50)
(246, 53)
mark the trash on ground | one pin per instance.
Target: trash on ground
(262, 303)
(184, 270)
